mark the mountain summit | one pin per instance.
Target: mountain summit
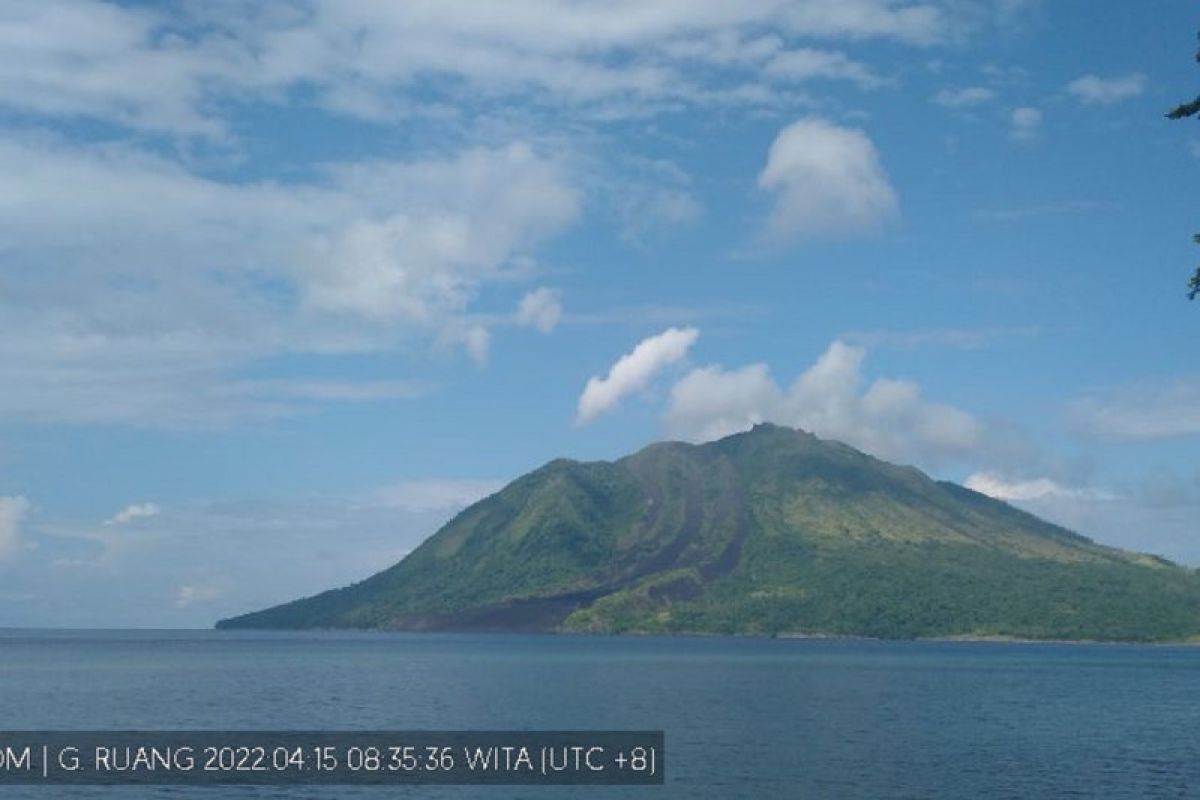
(772, 531)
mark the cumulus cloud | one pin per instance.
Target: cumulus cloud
(1094, 90)
(710, 402)
(12, 513)
(540, 309)
(1025, 123)
(890, 418)
(634, 371)
(965, 97)
(134, 512)
(826, 179)
(465, 218)
(1156, 409)
(144, 278)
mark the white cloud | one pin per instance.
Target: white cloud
(890, 419)
(12, 513)
(173, 69)
(1028, 489)
(567, 52)
(1005, 74)
(710, 402)
(649, 196)
(634, 371)
(284, 391)
(146, 288)
(1156, 514)
(965, 97)
(1163, 488)
(234, 556)
(193, 594)
(1026, 122)
(1122, 521)
(648, 209)
(133, 512)
(540, 309)
(466, 217)
(101, 60)
(473, 338)
(806, 63)
(1094, 90)
(1046, 210)
(166, 69)
(826, 180)
(963, 338)
(434, 494)
(1155, 409)
(859, 19)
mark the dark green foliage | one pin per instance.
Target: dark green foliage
(1184, 111)
(769, 532)
(1194, 283)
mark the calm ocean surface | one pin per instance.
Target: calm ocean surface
(743, 717)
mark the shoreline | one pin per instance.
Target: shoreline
(794, 636)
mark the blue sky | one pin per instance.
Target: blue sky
(284, 285)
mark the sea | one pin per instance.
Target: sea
(742, 717)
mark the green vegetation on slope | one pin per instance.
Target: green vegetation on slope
(769, 532)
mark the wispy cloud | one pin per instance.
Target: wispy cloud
(197, 561)
(1029, 489)
(285, 390)
(807, 63)
(1025, 123)
(1045, 210)
(674, 316)
(191, 594)
(541, 309)
(959, 338)
(1146, 410)
(1121, 520)
(1095, 90)
(152, 295)
(434, 494)
(12, 512)
(134, 512)
(351, 263)
(965, 97)
(143, 73)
